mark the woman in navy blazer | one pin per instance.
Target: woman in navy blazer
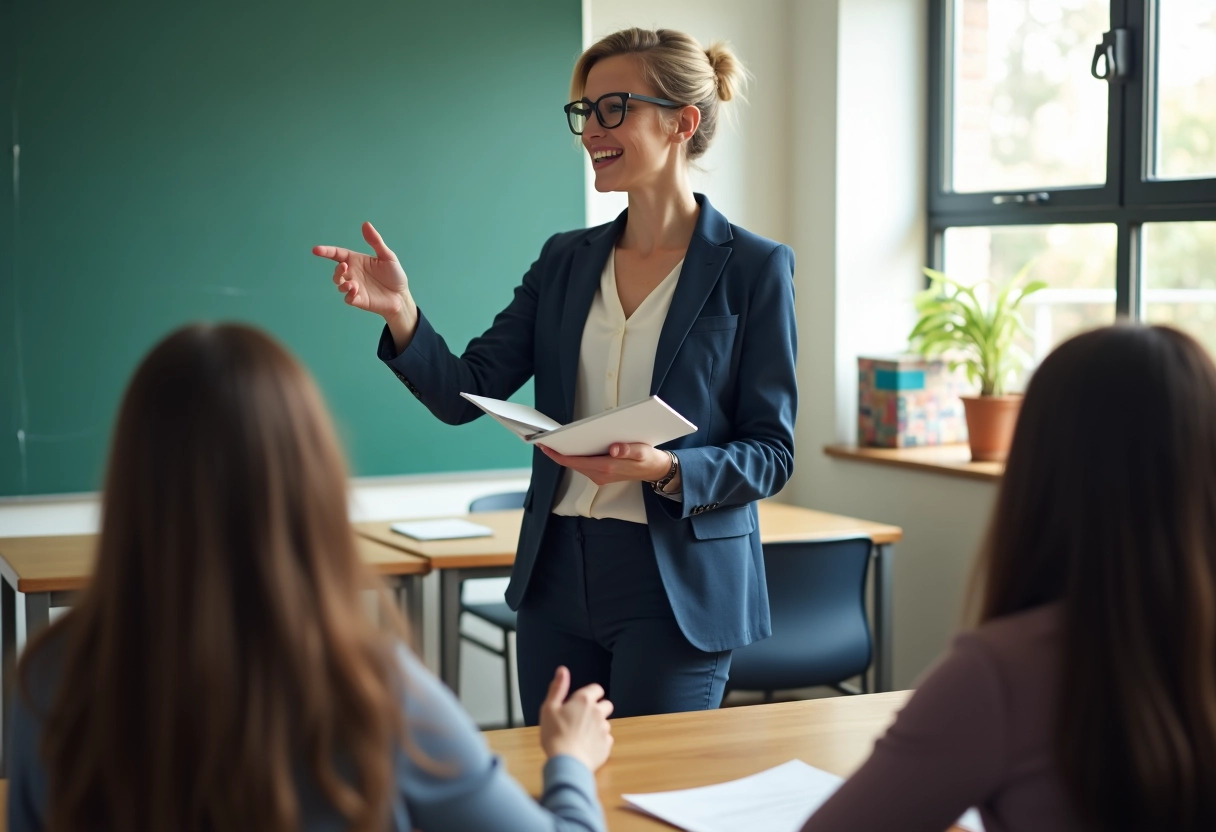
(641, 569)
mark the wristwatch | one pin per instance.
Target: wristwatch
(661, 485)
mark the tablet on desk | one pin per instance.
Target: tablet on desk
(446, 529)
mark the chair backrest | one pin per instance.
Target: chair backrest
(821, 634)
(498, 502)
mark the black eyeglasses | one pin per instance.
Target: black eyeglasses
(609, 108)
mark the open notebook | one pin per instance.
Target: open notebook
(650, 421)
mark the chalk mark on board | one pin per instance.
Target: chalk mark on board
(230, 291)
(69, 436)
(23, 404)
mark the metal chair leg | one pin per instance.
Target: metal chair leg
(508, 659)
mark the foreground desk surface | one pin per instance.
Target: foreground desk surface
(486, 557)
(681, 751)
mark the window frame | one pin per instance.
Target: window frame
(1127, 200)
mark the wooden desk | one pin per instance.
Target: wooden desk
(487, 557)
(681, 751)
(48, 571)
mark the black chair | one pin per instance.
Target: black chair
(496, 613)
(821, 635)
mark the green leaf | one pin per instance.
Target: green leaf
(1030, 289)
(952, 318)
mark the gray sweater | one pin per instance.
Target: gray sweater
(473, 792)
(977, 732)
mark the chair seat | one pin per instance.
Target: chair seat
(496, 612)
(818, 657)
(821, 635)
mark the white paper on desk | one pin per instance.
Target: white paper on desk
(650, 421)
(449, 529)
(779, 799)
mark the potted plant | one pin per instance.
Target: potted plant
(976, 328)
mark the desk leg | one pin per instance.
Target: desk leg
(8, 663)
(37, 613)
(450, 583)
(882, 586)
(409, 600)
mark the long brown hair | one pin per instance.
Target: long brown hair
(1108, 505)
(222, 650)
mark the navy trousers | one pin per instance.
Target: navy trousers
(596, 604)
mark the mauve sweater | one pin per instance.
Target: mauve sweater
(977, 732)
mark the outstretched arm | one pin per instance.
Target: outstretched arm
(375, 283)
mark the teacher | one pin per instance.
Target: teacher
(641, 569)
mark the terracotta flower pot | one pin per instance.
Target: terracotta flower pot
(990, 423)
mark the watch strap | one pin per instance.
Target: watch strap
(661, 484)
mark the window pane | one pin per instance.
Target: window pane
(1186, 89)
(1026, 113)
(1180, 277)
(1076, 261)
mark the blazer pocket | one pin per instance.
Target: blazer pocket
(714, 323)
(735, 521)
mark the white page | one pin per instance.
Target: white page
(777, 800)
(520, 414)
(650, 421)
(444, 529)
(971, 820)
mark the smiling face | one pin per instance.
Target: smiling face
(642, 152)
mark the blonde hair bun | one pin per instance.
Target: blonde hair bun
(728, 71)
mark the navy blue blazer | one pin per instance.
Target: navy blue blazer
(725, 360)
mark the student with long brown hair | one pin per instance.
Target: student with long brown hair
(1086, 697)
(221, 671)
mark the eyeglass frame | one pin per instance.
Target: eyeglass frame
(625, 98)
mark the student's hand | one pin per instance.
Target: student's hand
(624, 462)
(577, 726)
(377, 284)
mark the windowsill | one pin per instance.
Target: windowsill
(951, 460)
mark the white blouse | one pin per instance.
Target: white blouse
(615, 367)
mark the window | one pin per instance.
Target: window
(1079, 136)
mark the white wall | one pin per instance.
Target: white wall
(876, 235)
(743, 173)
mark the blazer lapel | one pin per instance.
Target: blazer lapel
(586, 268)
(703, 266)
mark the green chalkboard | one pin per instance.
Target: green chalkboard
(178, 162)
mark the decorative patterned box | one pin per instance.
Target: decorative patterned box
(906, 401)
